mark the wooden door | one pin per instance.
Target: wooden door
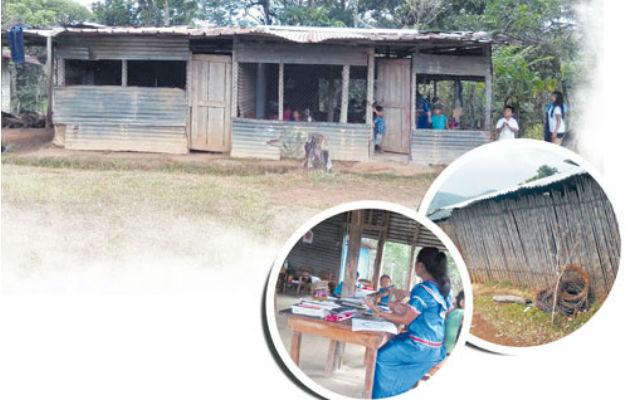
(393, 93)
(210, 91)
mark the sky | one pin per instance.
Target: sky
(501, 168)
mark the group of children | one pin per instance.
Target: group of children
(555, 125)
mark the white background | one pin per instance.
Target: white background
(189, 347)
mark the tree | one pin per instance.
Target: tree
(145, 12)
(43, 13)
(29, 81)
(116, 12)
(542, 172)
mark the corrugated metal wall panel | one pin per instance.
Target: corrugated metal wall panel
(122, 137)
(444, 146)
(6, 87)
(115, 104)
(246, 90)
(124, 119)
(345, 142)
(324, 254)
(123, 47)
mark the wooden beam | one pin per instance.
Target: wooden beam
(124, 73)
(352, 256)
(488, 89)
(370, 88)
(412, 259)
(382, 238)
(368, 227)
(261, 90)
(345, 93)
(234, 100)
(280, 91)
(414, 92)
(49, 72)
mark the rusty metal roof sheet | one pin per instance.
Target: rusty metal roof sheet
(298, 34)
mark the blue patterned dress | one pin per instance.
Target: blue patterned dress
(407, 357)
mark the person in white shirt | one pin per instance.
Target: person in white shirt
(555, 118)
(507, 127)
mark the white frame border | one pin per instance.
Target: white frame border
(309, 224)
(497, 146)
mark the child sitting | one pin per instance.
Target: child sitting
(384, 293)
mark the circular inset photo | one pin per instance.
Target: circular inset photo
(538, 235)
(366, 300)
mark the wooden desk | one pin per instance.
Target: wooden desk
(340, 333)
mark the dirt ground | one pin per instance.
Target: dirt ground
(512, 324)
(166, 221)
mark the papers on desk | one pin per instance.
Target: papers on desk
(353, 302)
(361, 324)
(313, 308)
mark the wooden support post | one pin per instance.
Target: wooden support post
(124, 73)
(370, 88)
(234, 99)
(261, 90)
(488, 86)
(49, 72)
(414, 93)
(352, 256)
(280, 91)
(382, 238)
(412, 258)
(345, 93)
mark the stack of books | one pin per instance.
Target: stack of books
(310, 308)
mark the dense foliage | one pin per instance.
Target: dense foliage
(549, 57)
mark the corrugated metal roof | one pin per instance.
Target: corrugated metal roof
(538, 184)
(298, 34)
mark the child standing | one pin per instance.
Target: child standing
(379, 128)
(507, 127)
(438, 120)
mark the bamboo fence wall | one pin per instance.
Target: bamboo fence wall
(518, 236)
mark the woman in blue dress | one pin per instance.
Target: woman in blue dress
(407, 357)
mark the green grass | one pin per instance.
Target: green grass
(528, 325)
(244, 168)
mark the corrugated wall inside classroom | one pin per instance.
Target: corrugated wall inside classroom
(515, 238)
(441, 147)
(122, 118)
(271, 139)
(324, 254)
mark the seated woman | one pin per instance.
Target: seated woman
(408, 356)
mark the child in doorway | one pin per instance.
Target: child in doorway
(438, 120)
(379, 128)
(507, 127)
